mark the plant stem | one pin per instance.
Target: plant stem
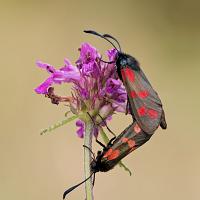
(87, 160)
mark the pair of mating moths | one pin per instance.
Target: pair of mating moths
(145, 107)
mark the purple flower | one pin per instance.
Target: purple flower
(95, 131)
(81, 131)
(42, 88)
(46, 66)
(112, 85)
(67, 73)
(96, 87)
(112, 54)
(88, 53)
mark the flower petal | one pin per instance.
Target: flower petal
(106, 110)
(43, 88)
(88, 53)
(95, 131)
(62, 76)
(81, 131)
(119, 107)
(46, 66)
(112, 85)
(69, 68)
(67, 62)
(112, 53)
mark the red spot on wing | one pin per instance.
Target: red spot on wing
(108, 153)
(136, 128)
(124, 140)
(127, 72)
(133, 94)
(142, 111)
(143, 94)
(131, 143)
(114, 154)
(153, 113)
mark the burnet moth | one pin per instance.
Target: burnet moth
(144, 103)
(145, 107)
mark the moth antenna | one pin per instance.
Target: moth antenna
(75, 186)
(107, 62)
(102, 36)
(110, 36)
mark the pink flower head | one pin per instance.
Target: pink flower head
(96, 87)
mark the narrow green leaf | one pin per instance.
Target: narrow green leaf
(121, 164)
(106, 140)
(104, 136)
(58, 124)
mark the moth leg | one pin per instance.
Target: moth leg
(110, 142)
(92, 118)
(127, 106)
(100, 143)
(93, 180)
(90, 151)
(106, 125)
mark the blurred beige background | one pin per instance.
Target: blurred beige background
(163, 35)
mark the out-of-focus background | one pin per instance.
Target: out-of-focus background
(163, 35)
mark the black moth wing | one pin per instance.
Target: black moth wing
(129, 140)
(144, 102)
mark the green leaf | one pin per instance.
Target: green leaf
(104, 136)
(121, 164)
(58, 124)
(106, 140)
